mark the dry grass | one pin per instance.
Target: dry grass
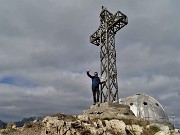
(141, 123)
(62, 116)
(151, 130)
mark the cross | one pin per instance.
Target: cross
(105, 38)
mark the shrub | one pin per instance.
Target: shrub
(62, 116)
(151, 130)
(141, 123)
(154, 128)
(28, 124)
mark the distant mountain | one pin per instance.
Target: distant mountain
(2, 124)
(21, 123)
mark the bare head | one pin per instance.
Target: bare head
(95, 73)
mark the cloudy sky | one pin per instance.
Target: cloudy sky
(45, 52)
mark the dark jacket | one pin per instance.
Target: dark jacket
(95, 80)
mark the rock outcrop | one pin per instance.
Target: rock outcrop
(102, 119)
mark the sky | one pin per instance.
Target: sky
(45, 53)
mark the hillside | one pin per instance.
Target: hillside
(103, 119)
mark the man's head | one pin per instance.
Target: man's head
(95, 73)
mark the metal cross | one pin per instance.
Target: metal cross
(105, 38)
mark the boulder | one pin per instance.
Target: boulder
(160, 133)
(137, 129)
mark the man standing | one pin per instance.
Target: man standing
(95, 86)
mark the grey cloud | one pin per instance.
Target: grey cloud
(41, 101)
(47, 42)
(178, 93)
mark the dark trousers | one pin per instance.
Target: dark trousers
(95, 91)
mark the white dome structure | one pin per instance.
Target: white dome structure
(147, 108)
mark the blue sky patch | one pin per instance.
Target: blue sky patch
(17, 81)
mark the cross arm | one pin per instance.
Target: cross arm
(95, 37)
(117, 21)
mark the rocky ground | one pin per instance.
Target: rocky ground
(102, 119)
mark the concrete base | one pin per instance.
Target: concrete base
(110, 111)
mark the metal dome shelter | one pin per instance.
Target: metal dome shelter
(147, 108)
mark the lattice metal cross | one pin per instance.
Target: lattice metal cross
(105, 38)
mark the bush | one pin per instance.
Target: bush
(62, 116)
(28, 124)
(154, 128)
(151, 130)
(141, 123)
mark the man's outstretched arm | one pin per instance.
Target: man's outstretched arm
(89, 74)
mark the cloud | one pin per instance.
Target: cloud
(44, 100)
(46, 44)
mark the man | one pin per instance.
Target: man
(95, 86)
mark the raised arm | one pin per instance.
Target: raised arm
(89, 74)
